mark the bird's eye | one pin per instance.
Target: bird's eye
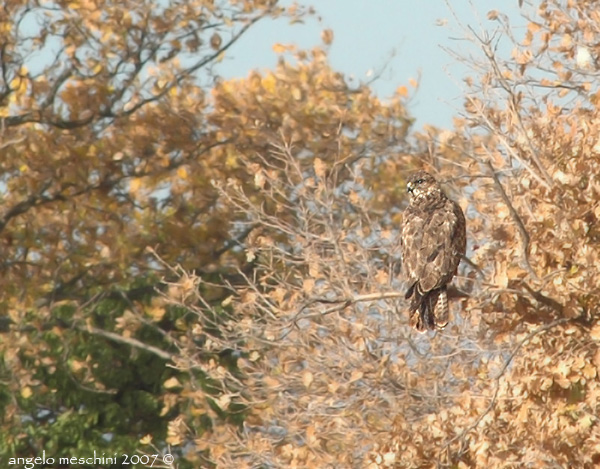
(419, 181)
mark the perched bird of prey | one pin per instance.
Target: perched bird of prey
(433, 242)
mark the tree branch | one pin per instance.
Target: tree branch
(343, 303)
(539, 330)
(128, 341)
(525, 240)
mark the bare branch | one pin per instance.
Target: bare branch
(539, 330)
(525, 240)
(128, 341)
(343, 303)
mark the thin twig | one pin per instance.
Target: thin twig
(525, 240)
(508, 361)
(343, 303)
(128, 341)
(514, 104)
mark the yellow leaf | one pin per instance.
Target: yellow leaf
(248, 297)
(402, 91)
(596, 359)
(146, 440)
(333, 387)
(271, 382)
(15, 83)
(501, 277)
(319, 168)
(310, 435)
(26, 392)
(545, 383)
(134, 185)
(227, 301)
(156, 312)
(307, 379)
(279, 48)
(327, 36)
(76, 365)
(182, 172)
(269, 83)
(259, 179)
(198, 411)
(308, 285)
(172, 383)
(389, 459)
(231, 161)
(126, 19)
(589, 371)
(595, 332)
(585, 422)
(382, 277)
(492, 15)
(175, 431)
(224, 401)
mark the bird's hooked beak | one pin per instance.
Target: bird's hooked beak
(409, 187)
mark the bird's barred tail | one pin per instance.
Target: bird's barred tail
(441, 310)
(431, 312)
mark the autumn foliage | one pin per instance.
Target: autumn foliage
(210, 267)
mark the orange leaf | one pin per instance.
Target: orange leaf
(402, 91)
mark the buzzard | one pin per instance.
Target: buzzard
(433, 242)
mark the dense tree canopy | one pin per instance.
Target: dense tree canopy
(210, 267)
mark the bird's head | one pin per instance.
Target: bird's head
(422, 186)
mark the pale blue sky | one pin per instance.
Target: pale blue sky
(368, 32)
